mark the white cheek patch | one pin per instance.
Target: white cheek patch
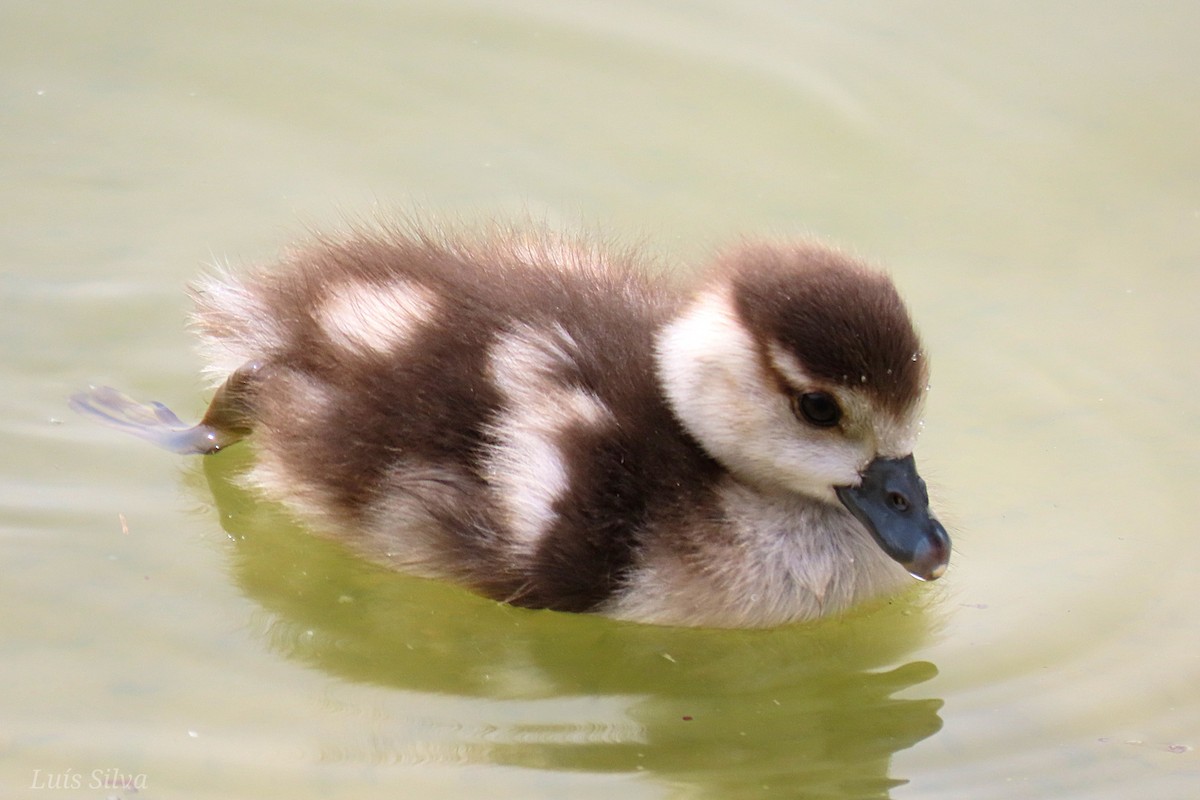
(716, 384)
(374, 318)
(527, 466)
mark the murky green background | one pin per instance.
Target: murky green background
(1031, 174)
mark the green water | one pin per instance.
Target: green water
(1029, 174)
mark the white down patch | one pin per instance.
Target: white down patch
(374, 318)
(527, 467)
(235, 325)
(713, 377)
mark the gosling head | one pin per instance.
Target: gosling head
(799, 370)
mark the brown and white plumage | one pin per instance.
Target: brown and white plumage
(550, 425)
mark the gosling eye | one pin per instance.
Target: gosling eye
(817, 408)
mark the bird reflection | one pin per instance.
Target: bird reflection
(806, 711)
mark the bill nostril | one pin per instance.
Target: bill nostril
(898, 501)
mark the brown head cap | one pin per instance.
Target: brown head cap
(844, 322)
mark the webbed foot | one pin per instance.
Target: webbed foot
(151, 421)
(230, 416)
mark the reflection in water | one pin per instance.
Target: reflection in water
(809, 709)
